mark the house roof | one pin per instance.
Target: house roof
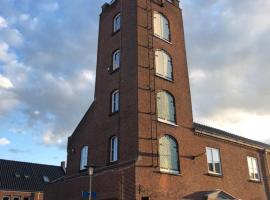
(219, 195)
(23, 176)
(218, 132)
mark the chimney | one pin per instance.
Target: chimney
(63, 166)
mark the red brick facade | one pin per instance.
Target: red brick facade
(136, 174)
(21, 195)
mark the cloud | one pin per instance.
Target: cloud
(50, 7)
(3, 22)
(4, 141)
(5, 82)
(50, 138)
(48, 53)
(18, 151)
(227, 47)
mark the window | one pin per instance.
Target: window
(113, 149)
(115, 101)
(16, 198)
(163, 64)
(116, 60)
(26, 198)
(117, 22)
(46, 179)
(253, 169)
(168, 154)
(84, 158)
(213, 160)
(161, 26)
(6, 198)
(166, 107)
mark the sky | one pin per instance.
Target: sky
(48, 59)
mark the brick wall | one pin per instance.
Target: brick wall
(22, 195)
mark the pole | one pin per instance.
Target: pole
(90, 187)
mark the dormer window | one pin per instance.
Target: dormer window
(17, 175)
(46, 179)
(117, 23)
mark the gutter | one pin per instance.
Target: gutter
(234, 141)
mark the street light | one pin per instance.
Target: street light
(90, 173)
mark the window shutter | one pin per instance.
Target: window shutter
(157, 27)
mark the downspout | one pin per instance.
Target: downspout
(267, 172)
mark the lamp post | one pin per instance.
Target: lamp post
(90, 173)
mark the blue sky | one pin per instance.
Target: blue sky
(48, 58)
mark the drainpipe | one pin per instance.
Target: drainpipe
(267, 171)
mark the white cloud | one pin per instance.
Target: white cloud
(50, 7)
(49, 138)
(250, 125)
(5, 82)
(3, 22)
(24, 17)
(4, 141)
(4, 55)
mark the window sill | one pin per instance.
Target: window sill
(115, 32)
(111, 71)
(167, 122)
(255, 181)
(82, 170)
(167, 41)
(112, 163)
(170, 172)
(113, 113)
(214, 175)
(166, 79)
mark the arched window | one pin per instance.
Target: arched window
(161, 26)
(163, 64)
(117, 22)
(166, 107)
(168, 154)
(84, 158)
(113, 149)
(116, 60)
(115, 101)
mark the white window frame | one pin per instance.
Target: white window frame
(116, 59)
(84, 158)
(166, 65)
(115, 101)
(212, 158)
(117, 22)
(167, 170)
(114, 149)
(159, 28)
(252, 169)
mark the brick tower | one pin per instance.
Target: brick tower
(138, 133)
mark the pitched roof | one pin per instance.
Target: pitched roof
(219, 195)
(218, 132)
(22, 176)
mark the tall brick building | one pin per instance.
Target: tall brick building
(139, 131)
